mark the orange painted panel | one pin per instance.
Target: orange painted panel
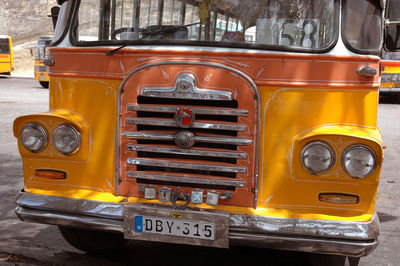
(275, 69)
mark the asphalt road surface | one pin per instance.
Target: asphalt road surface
(35, 244)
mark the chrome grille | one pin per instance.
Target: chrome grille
(216, 150)
(204, 160)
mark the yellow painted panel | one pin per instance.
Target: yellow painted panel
(290, 113)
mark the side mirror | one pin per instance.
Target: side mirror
(55, 10)
(392, 26)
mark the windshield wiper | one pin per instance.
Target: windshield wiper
(156, 31)
(111, 52)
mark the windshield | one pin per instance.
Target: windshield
(42, 47)
(285, 24)
(4, 46)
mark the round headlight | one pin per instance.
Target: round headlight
(66, 139)
(317, 157)
(359, 161)
(33, 137)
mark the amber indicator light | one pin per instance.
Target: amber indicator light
(339, 198)
(50, 174)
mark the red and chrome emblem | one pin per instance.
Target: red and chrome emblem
(184, 117)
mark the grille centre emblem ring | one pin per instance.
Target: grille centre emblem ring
(184, 139)
(184, 117)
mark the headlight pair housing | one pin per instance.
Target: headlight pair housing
(66, 139)
(358, 161)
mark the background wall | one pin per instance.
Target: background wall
(25, 18)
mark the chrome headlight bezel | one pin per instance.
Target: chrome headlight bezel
(325, 145)
(77, 140)
(363, 147)
(41, 130)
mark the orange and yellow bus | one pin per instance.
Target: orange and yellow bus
(212, 123)
(40, 70)
(6, 55)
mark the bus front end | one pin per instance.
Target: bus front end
(390, 81)
(40, 69)
(209, 123)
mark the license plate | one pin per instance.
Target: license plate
(161, 223)
(174, 227)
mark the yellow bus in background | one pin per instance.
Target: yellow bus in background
(6, 55)
(41, 71)
(390, 81)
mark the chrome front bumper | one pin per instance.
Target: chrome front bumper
(317, 236)
(388, 90)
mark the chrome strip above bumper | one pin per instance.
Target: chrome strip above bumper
(319, 236)
(389, 89)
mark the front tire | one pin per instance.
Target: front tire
(45, 84)
(96, 242)
(333, 260)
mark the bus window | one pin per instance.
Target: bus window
(362, 23)
(6, 55)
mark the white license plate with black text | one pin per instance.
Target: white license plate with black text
(174, 227)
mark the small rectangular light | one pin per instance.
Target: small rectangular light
(212, 198)
(197, 196)
(339, 198)
(150, 192)
(50, 174)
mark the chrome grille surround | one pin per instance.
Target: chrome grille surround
(202, 138)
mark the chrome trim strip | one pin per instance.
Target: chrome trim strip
(200, 111)
(147, 135)
(190, 180)
(88, 207)
(203, 139)
(307, 227)
(200, 94)
(224, 140)
(243, 75)
(191, 166)
(321, 236)
(68, 219)
(208, 153)
(173, 123)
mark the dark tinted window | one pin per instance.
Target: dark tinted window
(392, 39)
(4, 46)
(362, 25)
